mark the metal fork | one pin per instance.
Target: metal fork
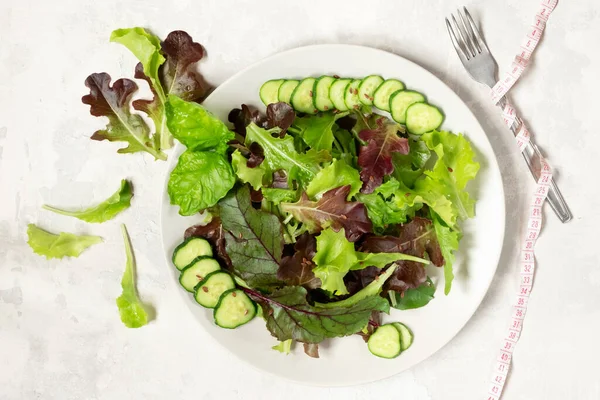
(481, 65)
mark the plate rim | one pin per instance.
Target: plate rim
(492, 165)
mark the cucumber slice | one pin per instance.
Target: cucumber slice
(234, 308)
(406, 336)
(209, 290)
(337, 92)
(286, 89)
(268, 91)
(187, 251)
(197, 271)
(302, 97)
(381, 97)
(385, 342)
(422, 118)
(400, 101)
(351, 95)
(321, 99)
(367, 89)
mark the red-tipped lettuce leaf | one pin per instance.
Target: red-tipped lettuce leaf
(415, 238)
(375, 159)
(123, 126)
(296, 269)
(213, 233)
(332, 210)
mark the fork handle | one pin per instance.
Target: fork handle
(532, 156)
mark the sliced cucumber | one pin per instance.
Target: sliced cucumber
(385, 342)
(337, 92)
(234, 308)
(286, 89)
(400, 101)
(187, 251)
(321, 99)
(209, 290)
(422, 118)
(406, 336)
(268, 91)
(302, 97)
(351, 95)
(381, 97)
(197, 271)
(367, 89)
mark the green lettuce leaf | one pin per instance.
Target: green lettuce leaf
(108, 209)
(199, 181)
(132, 311)
(290, 316)
(448, 240)
(344, 146)
(194, 126)
(58, 246)
(372, 289)
(452, 171)
(335, 175)
(254, 240)
(393, 203)
(409, 167)
(317, 130)
(147, 49)
(336, 256)
(284, 347)
(280, 153)
(253, 176)
(276, 195)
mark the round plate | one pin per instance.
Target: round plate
(434, 325)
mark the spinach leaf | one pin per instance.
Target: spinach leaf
(58, 246)
(415, 298)
(199, 181)
(254, 240)
(131, 309)
(104, 211)
(290, 316)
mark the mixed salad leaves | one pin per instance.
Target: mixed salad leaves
(325, 219)
(324, 212)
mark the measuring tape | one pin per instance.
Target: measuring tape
(534, 220)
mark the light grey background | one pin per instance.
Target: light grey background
(60, 333)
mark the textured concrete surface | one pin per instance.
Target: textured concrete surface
(60, 334)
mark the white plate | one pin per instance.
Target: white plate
(434, 325)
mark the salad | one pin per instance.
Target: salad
(324, 210)
(325, 205)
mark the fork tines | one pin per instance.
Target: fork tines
(465, 35)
